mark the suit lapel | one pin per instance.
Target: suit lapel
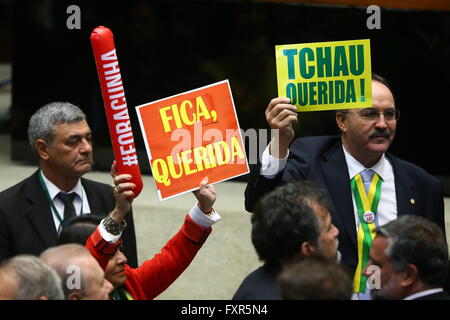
(39, 212)
(405, 193)
(335, 172)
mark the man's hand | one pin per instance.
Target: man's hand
(123, 194)
(206, 196)
(280, 115)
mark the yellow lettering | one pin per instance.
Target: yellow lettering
(176, 115)
(187, 161)
(236, 148)
(200, 157)
(202, 110)
(172, 170)
(211, 156)
(184, 115)
(222, 157)
(165, 118)
(160, 172)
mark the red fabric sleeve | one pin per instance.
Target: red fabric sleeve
(158, 273)
(101, 249)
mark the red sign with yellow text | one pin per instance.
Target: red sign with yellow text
(190, 136)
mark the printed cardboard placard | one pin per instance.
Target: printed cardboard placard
(325, 75)
(192, 135)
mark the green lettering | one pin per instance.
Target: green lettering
(350, 95)
(290, 53)
(323, 61)
(354, 69)
(291, 92)
(339, 91)
(363, 89)
(340, 62)
(312, 93)
(331, 91)
(322, 92)
(306, 73)
(302, 96)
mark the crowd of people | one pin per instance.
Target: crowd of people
(334, 218)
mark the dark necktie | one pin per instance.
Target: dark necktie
(67, 199)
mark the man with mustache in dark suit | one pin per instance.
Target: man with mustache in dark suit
(367, 186)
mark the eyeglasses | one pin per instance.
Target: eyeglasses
(371, 114)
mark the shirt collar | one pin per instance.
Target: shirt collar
(423, 293)
(355, 167)
(53, 190)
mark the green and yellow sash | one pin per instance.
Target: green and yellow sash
(367, 205)
(121, 294)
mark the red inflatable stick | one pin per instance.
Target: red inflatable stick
(116, 109)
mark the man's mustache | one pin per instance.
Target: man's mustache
(378, 133)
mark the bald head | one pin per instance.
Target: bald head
(62, 256)
(81, 275)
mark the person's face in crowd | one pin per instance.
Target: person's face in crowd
(328, 232)
(367, 131)
(115, 270)
(389, 280)
(96, 286)
(70, 153)
(8, 286)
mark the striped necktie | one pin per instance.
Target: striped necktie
(367, 176)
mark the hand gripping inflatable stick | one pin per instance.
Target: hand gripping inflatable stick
(116, 109)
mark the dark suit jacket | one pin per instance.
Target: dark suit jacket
(321, 159)
(261, 284)
(26, 220)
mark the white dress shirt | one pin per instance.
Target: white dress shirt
(80, 202)
(423, 293)
(387, 207)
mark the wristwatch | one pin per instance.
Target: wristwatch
(111, 226)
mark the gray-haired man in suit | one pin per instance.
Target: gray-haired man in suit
(32, 210)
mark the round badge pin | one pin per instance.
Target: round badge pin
(368, 217)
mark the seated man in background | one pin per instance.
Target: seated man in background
(157, 274)
(408, 260)
(27, 277)
(315, 278)
(289, 222)
(81, 275)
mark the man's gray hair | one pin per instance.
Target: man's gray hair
(42, 122)
(35, 279)
(418, 241)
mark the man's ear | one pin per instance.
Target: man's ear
(306, 249)
(410, 275)
(42, 149)
(340, 120)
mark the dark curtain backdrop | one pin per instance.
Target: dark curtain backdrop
(165, 48)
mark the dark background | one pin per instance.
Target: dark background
(165, 48)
